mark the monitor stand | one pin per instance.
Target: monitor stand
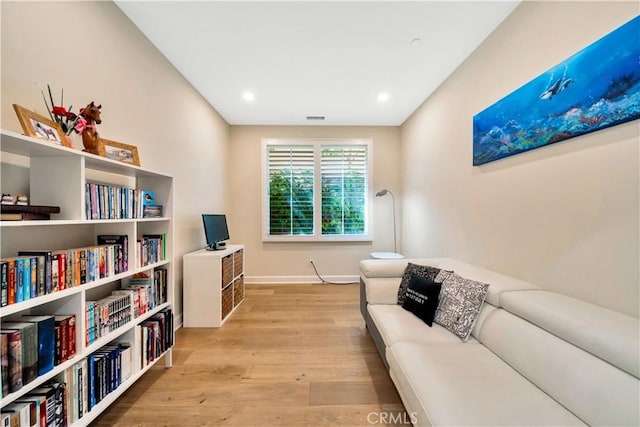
(217, 246)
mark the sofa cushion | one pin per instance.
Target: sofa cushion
(421, 298)
(381, 290)
(415, 270)
(596, 391)
(612, 336)
(499, 282)
(460, 303)
(396, 324)
(465, 385)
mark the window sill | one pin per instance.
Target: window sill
(316, 239)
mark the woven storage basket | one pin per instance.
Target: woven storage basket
(227, 270)
(238, 291)
(237, 263)
(227, 301)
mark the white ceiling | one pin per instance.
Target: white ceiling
(304, 58)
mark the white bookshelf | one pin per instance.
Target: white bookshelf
(57, 176)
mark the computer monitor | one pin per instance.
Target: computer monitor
(215, 231)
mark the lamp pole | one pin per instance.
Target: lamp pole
(384, 192)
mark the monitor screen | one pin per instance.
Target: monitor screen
(215, 230)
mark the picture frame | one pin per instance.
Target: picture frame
(115, 150)
(152, 211)
(37, 126)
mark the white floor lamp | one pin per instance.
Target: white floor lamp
(394, 254)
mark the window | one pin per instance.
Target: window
(316, 190)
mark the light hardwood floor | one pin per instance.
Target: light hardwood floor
(291, 355)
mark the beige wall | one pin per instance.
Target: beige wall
(290, 261)
(94, 52)
(564, 216)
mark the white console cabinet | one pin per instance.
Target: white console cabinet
(213, 286)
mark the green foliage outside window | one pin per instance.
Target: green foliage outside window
(343, 204)
(343, 192)
(290, 203)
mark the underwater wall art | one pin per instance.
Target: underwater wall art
(596, 88)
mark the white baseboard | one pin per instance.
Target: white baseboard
(273, 280)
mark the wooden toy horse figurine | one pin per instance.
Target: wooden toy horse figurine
(90, 138)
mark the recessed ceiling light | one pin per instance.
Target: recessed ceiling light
(383, 97)
(248, 96)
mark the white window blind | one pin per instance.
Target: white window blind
(316, 190)
(344, 189)
(291, 170)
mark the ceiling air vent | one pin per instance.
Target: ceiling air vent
(315, 117)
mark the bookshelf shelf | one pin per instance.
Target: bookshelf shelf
(56, 175)
(38, 301)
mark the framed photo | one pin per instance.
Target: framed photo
(118, 151)
(38, 126)
(152, 211)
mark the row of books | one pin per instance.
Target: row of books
(138, 295)
(35, 273)
(151, 248)
(107, 314)
(113, 202)
(43, 406)
(31, 346)
(156, 336)
(150, 291)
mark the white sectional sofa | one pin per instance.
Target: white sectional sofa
(534, 357)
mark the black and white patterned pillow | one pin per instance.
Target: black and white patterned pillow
(460, 303)
(430, 273)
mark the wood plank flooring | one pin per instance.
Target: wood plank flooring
(291, 355)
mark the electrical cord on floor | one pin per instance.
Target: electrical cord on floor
(328, 282)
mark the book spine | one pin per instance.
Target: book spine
(83, 266)
(42, 275)
(55, 278)
(4, 283)
(62, 271)
(4, 362)
(64, 338)
(11, 289)
(34, 277)
(46, 345)
(91, 382)
(58, 343)
(19, 279)
(29, 353)
(15, 360)
(68, 270)
(26, 279)
(71, 335)
(76, 260)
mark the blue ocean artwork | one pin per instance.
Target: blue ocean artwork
(596, 88)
